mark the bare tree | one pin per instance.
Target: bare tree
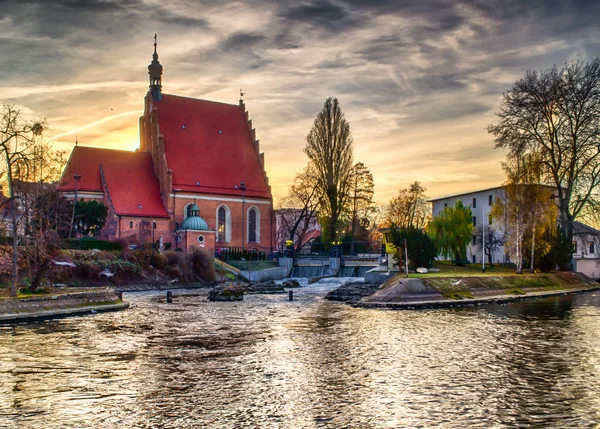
(299, 208)
(556, 114)
(493, 241)
(17, 138)
(410, 208)
(329, 150)
(362, 190)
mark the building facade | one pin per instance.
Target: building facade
(197, 158)
(480, 203)
(586, 240)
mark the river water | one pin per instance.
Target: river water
(270, 363)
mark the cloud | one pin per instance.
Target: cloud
(419, 80)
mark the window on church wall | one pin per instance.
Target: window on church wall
(188, 210)
(252, 226)
(222, 224)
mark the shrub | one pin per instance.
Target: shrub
(200, 265)
(173, 259)
(158, 261)
(89, 244)
(86, 270)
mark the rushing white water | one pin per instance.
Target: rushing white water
(266, 362)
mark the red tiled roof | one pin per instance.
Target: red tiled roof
(209, 143)
(129, 176)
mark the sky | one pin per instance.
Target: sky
(419, 81)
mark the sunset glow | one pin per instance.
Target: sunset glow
(419, 83)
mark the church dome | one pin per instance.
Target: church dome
(194, 221)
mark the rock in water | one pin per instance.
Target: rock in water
(268, 286)
(291, 283)
(227, 293)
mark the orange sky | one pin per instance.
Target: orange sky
(418, 83)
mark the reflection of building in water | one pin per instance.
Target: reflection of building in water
(197, 158)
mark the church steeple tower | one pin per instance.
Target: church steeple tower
(155, 73)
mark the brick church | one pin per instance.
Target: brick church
(198, 178)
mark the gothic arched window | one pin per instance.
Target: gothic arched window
(252, 226)
(223, 223)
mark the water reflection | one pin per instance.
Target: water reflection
(270, 363)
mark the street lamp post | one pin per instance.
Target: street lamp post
(243, 188)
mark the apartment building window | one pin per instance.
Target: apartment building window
(489, 219)
(445, 205)
(474, 240)
(490, 200)
(592, 250)
(474, 220)
(474, 203)
(130, 224)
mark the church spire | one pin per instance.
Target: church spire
(155, 73)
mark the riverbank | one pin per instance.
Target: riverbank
(59, 304)
(439, 291)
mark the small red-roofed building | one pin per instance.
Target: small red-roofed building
(196, 158)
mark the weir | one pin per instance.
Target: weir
(310, 271)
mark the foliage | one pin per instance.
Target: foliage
(91, 244)
(421, 247)
(329, 150)
(527, 209)
(410, 208)
(5, 262)
(559, 253)
(451, 231)
(555, 114)
(90, 217)
(362, 189)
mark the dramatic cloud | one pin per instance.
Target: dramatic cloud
(419, 80)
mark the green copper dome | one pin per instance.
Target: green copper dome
(194, 221)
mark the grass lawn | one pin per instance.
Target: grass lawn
(448, 270)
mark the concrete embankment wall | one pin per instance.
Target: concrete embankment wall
(58, 305)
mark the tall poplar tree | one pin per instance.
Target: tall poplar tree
(362, 189)
(329, 150)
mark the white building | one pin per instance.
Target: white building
(586, 247)
(480, 203)
(586, 240)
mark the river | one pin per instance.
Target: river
(310, 363)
